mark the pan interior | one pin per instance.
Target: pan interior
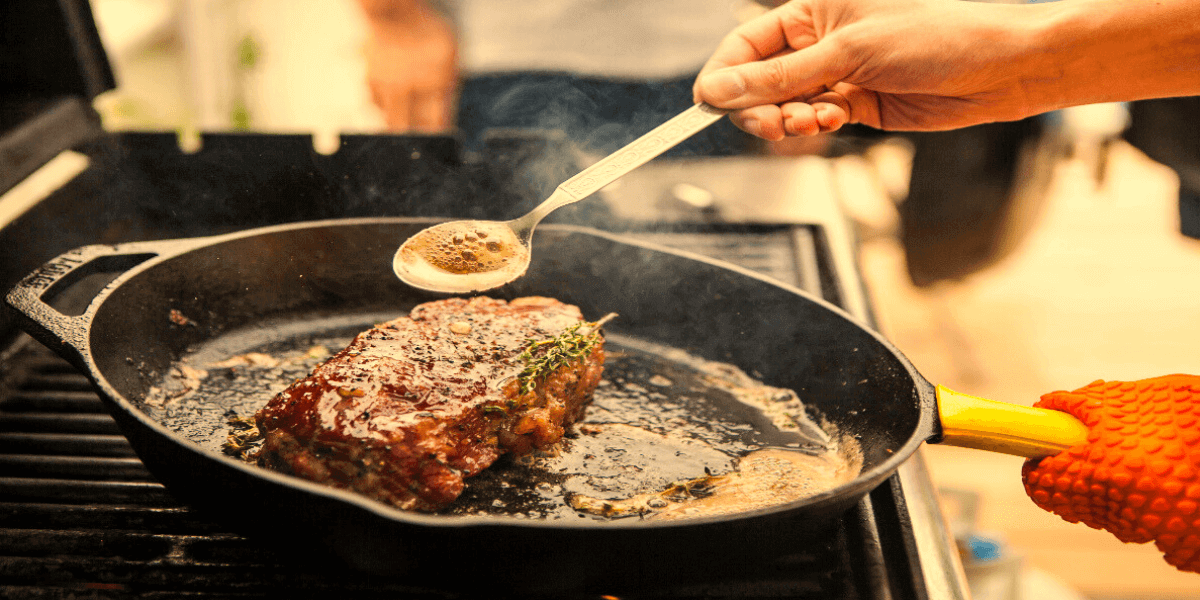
(660, 418)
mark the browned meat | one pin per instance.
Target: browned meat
(413, 406)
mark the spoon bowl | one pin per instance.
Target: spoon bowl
(471, 256)
(453, 257)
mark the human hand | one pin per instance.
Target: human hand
(812, 66)
(412, 65)
(1137, 475)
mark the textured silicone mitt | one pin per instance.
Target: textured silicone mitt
(1137, 475)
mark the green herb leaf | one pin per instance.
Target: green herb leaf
(543, 357)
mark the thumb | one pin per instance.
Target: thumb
(782, 77)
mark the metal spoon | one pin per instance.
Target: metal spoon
(470, 256)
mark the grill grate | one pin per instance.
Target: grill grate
(81, 517)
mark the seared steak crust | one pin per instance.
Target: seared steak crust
(416, 404)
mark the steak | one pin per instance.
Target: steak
(413, 406)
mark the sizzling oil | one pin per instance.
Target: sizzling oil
(660, 417)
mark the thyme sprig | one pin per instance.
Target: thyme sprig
(543, 357)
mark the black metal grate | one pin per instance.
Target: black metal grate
(80, 517)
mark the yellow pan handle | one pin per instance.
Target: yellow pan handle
(973, 422)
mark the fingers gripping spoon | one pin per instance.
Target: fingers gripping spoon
(470, 256)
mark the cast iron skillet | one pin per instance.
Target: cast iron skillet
(268, 278)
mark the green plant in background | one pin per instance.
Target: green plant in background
(240, 115)
(248, 53)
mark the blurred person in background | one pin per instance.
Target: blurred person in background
(602, 73)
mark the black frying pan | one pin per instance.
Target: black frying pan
(266, 281)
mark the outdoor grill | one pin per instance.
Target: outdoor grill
(81, 517)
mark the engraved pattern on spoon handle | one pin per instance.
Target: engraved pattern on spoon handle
(640, 151)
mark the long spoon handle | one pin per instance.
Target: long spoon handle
(637, 153)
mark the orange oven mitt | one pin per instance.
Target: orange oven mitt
(1137, 474)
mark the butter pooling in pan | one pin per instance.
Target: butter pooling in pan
(668, 435)
(763, 479)
(815, 460)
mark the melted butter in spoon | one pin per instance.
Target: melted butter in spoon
(463, 256)
(464, 247)
(471, 256)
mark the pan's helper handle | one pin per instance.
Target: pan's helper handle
(973, 422)
(31, 296)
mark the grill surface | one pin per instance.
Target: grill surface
(80, 517)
